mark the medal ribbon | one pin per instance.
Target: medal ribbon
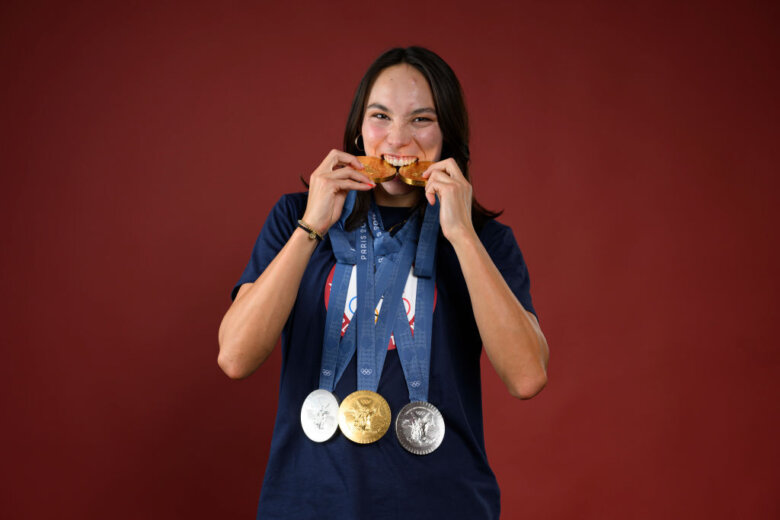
(395, 283)
(373, 333)
(414, 352)
(338, 297)
(386, 249)
(336, 353)
(367, 376)
(393, 258)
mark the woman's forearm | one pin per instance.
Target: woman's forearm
(253, 323)
(510, 335)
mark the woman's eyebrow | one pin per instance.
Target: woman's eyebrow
(425, 110)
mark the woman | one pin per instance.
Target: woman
(408, 108)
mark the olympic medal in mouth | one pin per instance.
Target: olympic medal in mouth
(412, 173)
(377, 169)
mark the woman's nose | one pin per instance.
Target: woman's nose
(400, 134)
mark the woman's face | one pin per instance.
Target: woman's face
(401, 125)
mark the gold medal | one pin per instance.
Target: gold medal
(377, 169)
(364, 416)
(412, 173)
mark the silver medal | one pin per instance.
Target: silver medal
(320, 415)
(419, 427)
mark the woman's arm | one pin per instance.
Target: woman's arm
(254, 321)
(510, 335)
(513, 341)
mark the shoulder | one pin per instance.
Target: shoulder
(291, 204)
(500, 243)
(282, 220)
(494, 234)
(285, 213)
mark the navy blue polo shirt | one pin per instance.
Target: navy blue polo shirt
(342, 480)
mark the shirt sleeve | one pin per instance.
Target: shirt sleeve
(500, 243)
(278, 228)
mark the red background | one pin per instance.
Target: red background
(632, 145)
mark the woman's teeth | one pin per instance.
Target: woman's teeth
(399, 161)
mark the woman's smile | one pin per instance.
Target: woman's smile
(399, 160)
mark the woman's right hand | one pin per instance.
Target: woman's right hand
(328, 187)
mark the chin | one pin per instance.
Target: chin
(396, 187)
(396, 193)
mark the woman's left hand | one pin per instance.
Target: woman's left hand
(447, 181)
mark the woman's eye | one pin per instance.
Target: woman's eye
(422, 119)
(380, 116)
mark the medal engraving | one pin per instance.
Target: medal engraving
(319, 415)
(419, 427)
(364, 417)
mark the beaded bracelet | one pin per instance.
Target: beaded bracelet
(313, 233)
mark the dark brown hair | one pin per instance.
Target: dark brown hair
(450, 110)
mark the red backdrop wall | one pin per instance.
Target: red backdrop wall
(632, 145)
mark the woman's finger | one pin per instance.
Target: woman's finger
(436, 181)
(337, 159)
(349, 173)
(340, 159)
(349, 184)
(430, 196)
(447, 166)
(427, 173)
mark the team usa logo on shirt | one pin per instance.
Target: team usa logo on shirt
(409, 297)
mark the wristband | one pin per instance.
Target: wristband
(313, 233)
